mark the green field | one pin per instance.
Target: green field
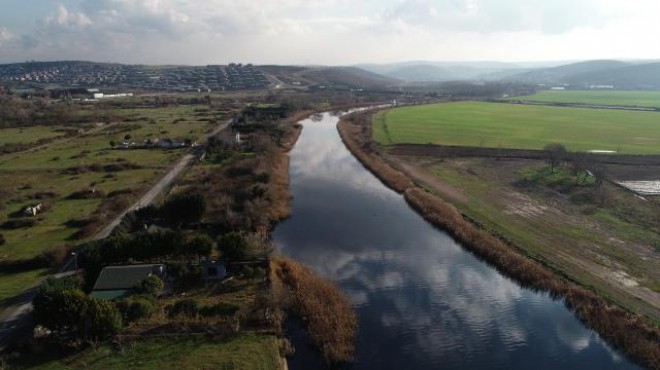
(498, 125)
(247, 351)
(615, 98)
(29, 135)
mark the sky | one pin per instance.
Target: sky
(326, 32)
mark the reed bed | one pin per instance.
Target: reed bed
(330, 322)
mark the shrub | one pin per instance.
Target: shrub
(263, 177)
(186, 307)
(59, 307)
(184, 208)
(19, 223)
(2, 239)
(233, 246)
(247, 271)
(100, 319)
(136, 308)
(199, 245)
(86, 194)
(152, 285)
(56, 255)
(220, 309)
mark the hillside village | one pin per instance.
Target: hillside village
(169, 78)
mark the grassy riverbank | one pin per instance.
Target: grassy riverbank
(633, 334)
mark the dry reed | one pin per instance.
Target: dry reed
(330, 322)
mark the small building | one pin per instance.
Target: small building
(33, 211)
(213, 270)
(116, 282)
(230, 138)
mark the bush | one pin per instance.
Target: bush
(19, 223)
(100, 320)
(220, 309)
(233, 246)
(186, 307)
(184, 208)
(152, 285)
(136, 308)
(199, 245)
(60, 305)
(86, 194)
(247, 271)
(56, 255)
(2, 239)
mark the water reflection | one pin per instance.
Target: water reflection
(423, 302)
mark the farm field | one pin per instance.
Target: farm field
(62, 174)
(512, 126)
(614, 98)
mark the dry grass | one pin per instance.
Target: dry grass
(331, 323)
(353, 131)
(631, 333)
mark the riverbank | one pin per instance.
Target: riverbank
(631, 333)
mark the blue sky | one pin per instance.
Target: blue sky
(332, 32)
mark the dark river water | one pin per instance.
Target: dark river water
(422, 301)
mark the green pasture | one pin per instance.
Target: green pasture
(28, 135)
(597, 97)
(247, 351)
(513, 126)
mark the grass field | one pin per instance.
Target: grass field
(615, 98)
(247, 351)
(27, 175)
(28, 135)
(512, 126)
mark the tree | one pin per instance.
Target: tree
(100, 320)
(60, 306)
(233, 246)
(200, 245)
(184, 208)
(60, 309)
(556, 154)
(112, 143)
(127, 137)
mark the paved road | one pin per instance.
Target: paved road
(16, 318)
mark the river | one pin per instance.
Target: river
(422, 301)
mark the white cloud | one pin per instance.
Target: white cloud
(335, 31)
(65, 18)
(5, 35)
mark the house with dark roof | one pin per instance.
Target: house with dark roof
(118, 281)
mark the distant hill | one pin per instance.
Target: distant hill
(426, 72)
(445, 71)
(351, 77)
(641, 76)
(567, 74)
